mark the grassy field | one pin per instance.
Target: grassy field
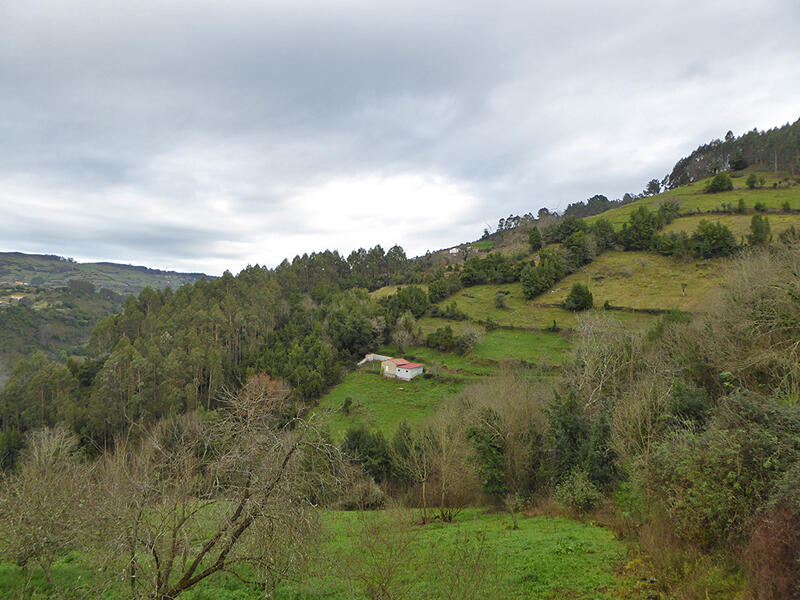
(692, 197)
(477, 303)
(448, 362)
(538, 347)
(388, 290)
(645, 280)
(546, 558)
(483, 245)
(738, 224)
(382, 403)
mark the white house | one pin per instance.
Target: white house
(407, 371)
(453, 250)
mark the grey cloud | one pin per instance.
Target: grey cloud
(184, 105)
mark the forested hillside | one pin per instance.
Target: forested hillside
(55, 321)
(777, 150)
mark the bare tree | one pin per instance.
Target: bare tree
(454, 482)
(414, 458)
(464, 569)
(381, 554)
(195, 497)
(41, 505)
(511, 410)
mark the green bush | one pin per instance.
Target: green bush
(752, 181)
(535, 239)
(712, 483)
(580, 298)
(500, 299)
(712, 239)
(722, 182)
(577, 493)
(759, 231)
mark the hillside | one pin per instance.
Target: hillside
(777, 150)
(530, 403)
(778, 189)
(55, 321)
(55, 271)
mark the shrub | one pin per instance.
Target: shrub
(370, 450)
(712, 239)
(641, 228)
(690, 405)
(759, 228)
(577, 493)
(580, 298)
(773, 552)
(741, 207)
(535, 239)
(712, 483)
(760, 207)
(721, 182)
(500, 299)
(751, 181)
(771, 557)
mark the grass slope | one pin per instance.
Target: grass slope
(738, 224)
(477, 303)
(546, 558)
(692, 197)
(382, 403)
(54, 271)
(645, 280)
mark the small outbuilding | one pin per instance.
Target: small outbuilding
(407, 371)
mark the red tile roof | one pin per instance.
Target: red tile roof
(410, 365)
(398, 361)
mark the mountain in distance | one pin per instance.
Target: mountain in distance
(47, 270)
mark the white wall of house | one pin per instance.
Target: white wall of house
(408, 374)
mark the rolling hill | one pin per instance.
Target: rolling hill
(48, 270)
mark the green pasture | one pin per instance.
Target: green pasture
(645, 280)
(545, 558)
(389, 290)
(382, 403)
(692, 198)
(477, 303)
(738, 224)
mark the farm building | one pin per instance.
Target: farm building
(401, 368)
(408, 371)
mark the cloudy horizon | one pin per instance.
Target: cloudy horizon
(204, 136)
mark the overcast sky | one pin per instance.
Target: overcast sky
(203, 135)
